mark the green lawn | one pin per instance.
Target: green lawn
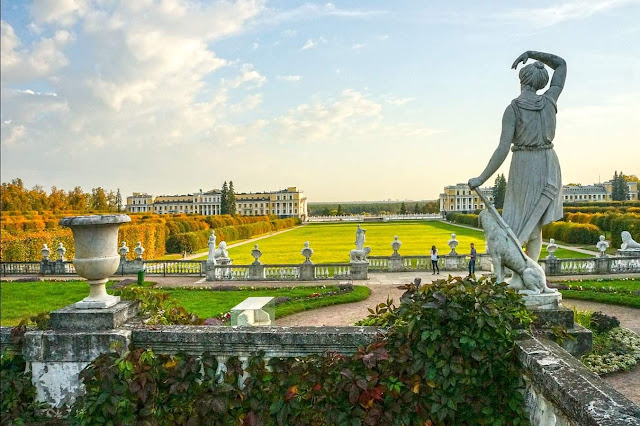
(332, 242)
(22, 300)
(600, 297)
(625, 291)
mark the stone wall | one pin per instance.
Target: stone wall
(560, 390)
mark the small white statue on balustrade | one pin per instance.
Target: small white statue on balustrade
(307, 252)
(211, 258)
(628, 243)
(602, 246)
(138, 251)
(256, 253)
(60, 251)
(551, 248)
(395, 245)
(453, 243)
(45, 252)
(123, 250)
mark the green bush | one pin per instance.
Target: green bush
(462, 218)
(573, 233)
(447, 359)
(17, 393)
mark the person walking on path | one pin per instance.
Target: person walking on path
(434, 259)
(472, 262)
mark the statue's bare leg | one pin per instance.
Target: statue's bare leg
(534, 245)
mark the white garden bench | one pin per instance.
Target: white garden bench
(254, 311)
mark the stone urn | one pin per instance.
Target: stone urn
(96, 255)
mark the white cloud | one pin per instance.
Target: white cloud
(289, 77)
(249, 77)
(38, 60)
(352, 116)
(255, 46)
(14, 134)
(62, 12)
(357, 46)
(562, 11)
(311, 43)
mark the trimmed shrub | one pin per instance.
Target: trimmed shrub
(572, 233)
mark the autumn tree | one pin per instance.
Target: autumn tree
(58, 200)
(98, 200)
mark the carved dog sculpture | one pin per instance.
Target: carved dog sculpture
(359, 256)
(528, 276)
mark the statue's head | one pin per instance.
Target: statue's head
(534, 75)
(626, 236)
(602, 237)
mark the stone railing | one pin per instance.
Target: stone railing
(559, 389)
(44, 267)
(591, 265)
(423, 263)
(328, 271)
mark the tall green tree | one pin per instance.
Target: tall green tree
(416, 209)
(224, 195)
(403, 208)
(499, 191)
(340, 211)
(231, 199)
(118, 200)
(618, 187)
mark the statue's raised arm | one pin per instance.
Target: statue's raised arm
(556, 63)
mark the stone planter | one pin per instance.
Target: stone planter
(96, 259)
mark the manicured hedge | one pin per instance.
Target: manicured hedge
(193, 241)
(612, 222)
(462, 218)
(26, 246)
(572, 233)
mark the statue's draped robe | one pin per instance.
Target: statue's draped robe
(534, 189)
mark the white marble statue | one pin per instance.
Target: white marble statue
(628, 242)
(533, 197)
(602, 246)
(211, 258)
(528, 275)
(360, 238)
(453, 243)
(360, 256)
(221, 252)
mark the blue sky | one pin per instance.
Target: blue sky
(346, 100)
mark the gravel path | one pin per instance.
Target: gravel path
(628, 317)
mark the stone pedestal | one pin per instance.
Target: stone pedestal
(72, 318)
(77, 337)
(256, 272)
(543, 301)
(210, 271)
(551, 266)
(307, 272)
(396, 264)
(453, 262)
(603, 265)
(360, 271)
(548, 316)
(130, 266)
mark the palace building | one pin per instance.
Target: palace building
(459, 198)
(289, 202)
